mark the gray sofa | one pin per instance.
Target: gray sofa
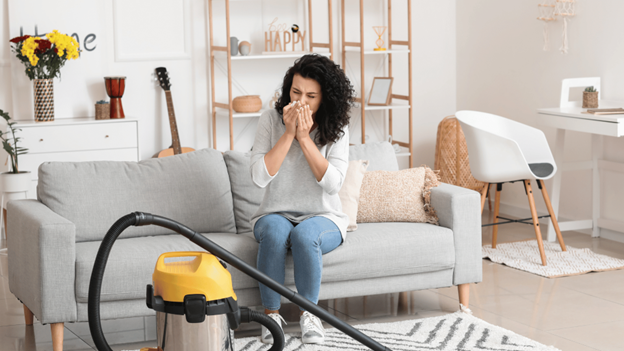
(53, 241)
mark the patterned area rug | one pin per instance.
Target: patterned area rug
(524, 255)
(457, 331)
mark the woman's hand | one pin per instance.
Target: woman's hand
(304, 122)
(290, 117)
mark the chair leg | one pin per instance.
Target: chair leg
(538, 233)
(57, 336)
(551, 212)
(484, 192)
(28, 315)
(464, 294)
(499, 188)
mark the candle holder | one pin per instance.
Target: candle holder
(379, 30)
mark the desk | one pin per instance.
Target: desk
(573, 118)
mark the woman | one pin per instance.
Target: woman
(300, 155)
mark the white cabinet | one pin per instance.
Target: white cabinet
(76, 139)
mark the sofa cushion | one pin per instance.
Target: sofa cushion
(132, 261)
(380, 154)
(374, 250)
(192, 188)
(246, 195)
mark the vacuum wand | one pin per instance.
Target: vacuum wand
(148, 219)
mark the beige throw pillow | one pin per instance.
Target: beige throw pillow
(350, 192)
(400, 196)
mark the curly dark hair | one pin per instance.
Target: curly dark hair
(338, 95)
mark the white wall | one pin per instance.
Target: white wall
(433, 75)
(502, 69)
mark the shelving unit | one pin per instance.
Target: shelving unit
(214, 49)
(396, 98)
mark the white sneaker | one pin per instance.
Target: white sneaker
(267, 337)
(312, 331)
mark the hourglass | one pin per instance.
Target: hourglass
(379, 30)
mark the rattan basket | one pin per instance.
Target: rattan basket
(247, 103)
(451, 156)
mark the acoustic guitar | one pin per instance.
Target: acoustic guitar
(175, 149)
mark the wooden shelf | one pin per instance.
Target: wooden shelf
(385, 107)
(225, 112)
(404, 46)
(276, 56)
(373, 52)
(403, 152)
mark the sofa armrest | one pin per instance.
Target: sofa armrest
(42, 256)
(459, 209)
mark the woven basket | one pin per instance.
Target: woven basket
(451, 156)
(247, 103)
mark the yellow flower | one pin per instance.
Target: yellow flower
(66, 45)
(28, 50)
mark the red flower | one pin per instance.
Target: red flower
(19, 39)
(44, 45)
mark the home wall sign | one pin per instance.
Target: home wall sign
(280, 37)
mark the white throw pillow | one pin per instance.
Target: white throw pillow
(350, 191)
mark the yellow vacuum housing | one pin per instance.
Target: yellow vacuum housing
(203, 275)
(195, 287)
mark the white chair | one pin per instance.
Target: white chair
(502, 150)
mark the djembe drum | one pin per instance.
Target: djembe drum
(115, 89)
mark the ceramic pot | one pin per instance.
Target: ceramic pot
(44, 100)
(14, 186)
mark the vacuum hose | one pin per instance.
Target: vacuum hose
(141, 219)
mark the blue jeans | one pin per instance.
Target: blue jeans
(308, 240)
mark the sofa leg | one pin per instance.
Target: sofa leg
(57, 336)
(464, 294)
(28, 315)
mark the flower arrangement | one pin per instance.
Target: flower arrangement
(9, 142)
(44, 57)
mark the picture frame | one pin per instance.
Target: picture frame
(380, 93)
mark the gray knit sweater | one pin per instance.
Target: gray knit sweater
(293, 191)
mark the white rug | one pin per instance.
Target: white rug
(524, 255)
(457, 332)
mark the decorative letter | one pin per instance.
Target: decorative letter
(277, 43)
(302, 35)
(295, 40)
(287, 38)
(268, 42)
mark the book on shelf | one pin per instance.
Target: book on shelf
(606, 111)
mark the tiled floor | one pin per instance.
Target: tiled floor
(584, 312)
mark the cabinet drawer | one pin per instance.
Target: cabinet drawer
(79, 137)
(31, 162)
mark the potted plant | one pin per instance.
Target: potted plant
(590, 97)
(43, 58)
(14, 182)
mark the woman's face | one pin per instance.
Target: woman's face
(307, 91)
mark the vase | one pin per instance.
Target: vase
(233, 46)
(44, 100)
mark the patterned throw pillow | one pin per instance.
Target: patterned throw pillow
(350, 192)
(399, 196)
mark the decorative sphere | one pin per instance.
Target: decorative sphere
(295, 28)
(244, 47)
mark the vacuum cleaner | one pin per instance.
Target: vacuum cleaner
(200, 291)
